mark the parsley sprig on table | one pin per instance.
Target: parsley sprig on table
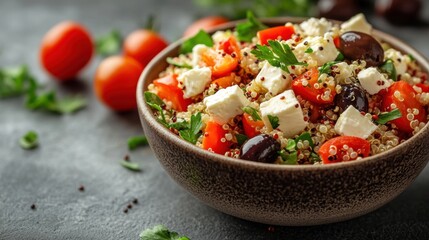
(137, 141)
(16, 81)
(109, 44)
(277, 54)
(160, 232)
(30, 140)
(248, 29)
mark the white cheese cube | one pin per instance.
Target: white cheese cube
(357, 23)
(315, 27)
(197, 53)
(352, 123)
(286, 107)
(399, 60)
(194, 81)
(273, 79)
(323, 49)
(226, 104)
(372, 80)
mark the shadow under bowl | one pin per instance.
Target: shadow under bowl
(282, 194)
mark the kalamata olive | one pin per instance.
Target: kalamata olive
(358, 45)
(353, 95)
(338, 9)
(261, 148)
(400, 12)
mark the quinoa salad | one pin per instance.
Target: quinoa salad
(315, 92)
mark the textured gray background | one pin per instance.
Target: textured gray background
(85, 148)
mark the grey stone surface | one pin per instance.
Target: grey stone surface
(85, 149)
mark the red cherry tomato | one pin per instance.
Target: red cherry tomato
(65, 50)
(338, 149)
(402, 95)
(305, 85)
(205, 24)
(250, 126)
(143, 45)
(115, 82)
(230, 46)
(168, 89)
(424, 87)
(213, 134)
(274, 33)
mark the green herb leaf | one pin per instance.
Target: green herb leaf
(289, 158)
(192, 133)
(340, 57)
(137, 141)
(160, 232)
(411, 57)
(274, 121)
(252, 112)
(180, 125)
(280, 55)
(29, 141)
(386, 117)
(389, 68)
(326, 68)
(247, 30)
(314, 157)
(306, 136)
(16, 81)
(309, 50)
(156, 103)
(70, 105)
(130, 166)
(176, 64)
(109, 44)
(291, 145)
(201, 37)
(241, 138)
(49, 102)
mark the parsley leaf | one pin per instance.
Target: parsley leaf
(49, 102)
(274, 121)
(160, 232)
(137, 141)
(130, 166)
(280, 55)
(326, 68)
(30, 140)
(252, 112)
(109, 44)
(306, 136)
(386, 117)
(16, 81)
(156, 103)
(289, 154)
(291, 145)
(289, 157)
(192, 132)
(241, 138)
(309, 50)
(176, 64)
(247, 30)
(340, 57)
(201, 37)
(389, 68)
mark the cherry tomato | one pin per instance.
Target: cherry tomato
(224, 82)
(65, 50)
(283, 32)
(230, 46)
(168, 89)
(305, 84)
(424, 87)
(205, 24)
(213, 134)
(250, 126)
(115, 82)
(337, 41)
(344, 148)
(402, 95)
(143, 45)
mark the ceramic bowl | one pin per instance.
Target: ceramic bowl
(282, 194)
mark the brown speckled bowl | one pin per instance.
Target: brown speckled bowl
(281, 194)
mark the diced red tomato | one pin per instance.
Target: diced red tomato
(221, 65)
(338, 149)
(304, 85)
(225, 82)
(402, 95)
(283, 32)
(250, 126)
(230, 46)
(213, 134)
(315, 114)
(424, 87)
(168, 89)
(337, 41)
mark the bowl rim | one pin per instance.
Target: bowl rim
(147, 113)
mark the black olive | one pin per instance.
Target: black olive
(400, 12)
(338, 9)
(358, 45)
(261, 148)
(353, 95)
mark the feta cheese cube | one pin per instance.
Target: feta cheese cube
(226, 104)
(352, 123)
(197, 53)
(323, 49)
(357, 23)
(315, 27)
(273, 79)
(399, 60)
(372, 80)
(194, 81)
(286, 107)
